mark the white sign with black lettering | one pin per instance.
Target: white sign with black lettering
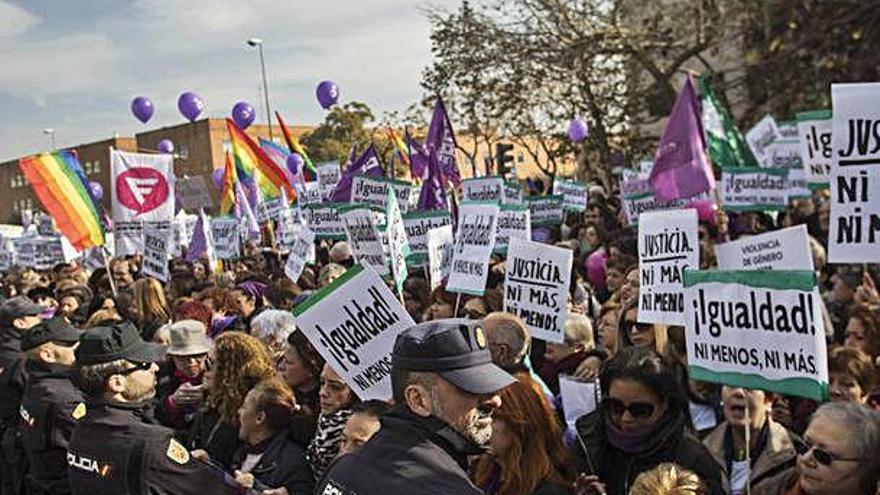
(786, 154)
(574, 194)
(473, 248)
(786, 249)
(303, 245)
(754, 189)
(546, 210)
(761, 136)
(417, 226)
(514, 221)
(370, 190)
(441, 245)
(483, 189)
(363, 237)
(513, 193)
(224, 232)
(814, 131)
(324, 220)
(156, 244)
(328, 176)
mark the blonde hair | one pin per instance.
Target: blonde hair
(579, 330)
(150, 299)
(668, 479)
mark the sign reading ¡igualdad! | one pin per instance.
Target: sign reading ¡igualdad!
(757, 329)
(353, 323)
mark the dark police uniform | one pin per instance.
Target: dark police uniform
(411, 454)
(114, 451)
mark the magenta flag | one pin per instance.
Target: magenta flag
(440, 143)
(681, 168)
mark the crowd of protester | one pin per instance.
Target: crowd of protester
(245, 392)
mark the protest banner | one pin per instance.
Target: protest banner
(760, 330)
(324, 220)
(156, 249)
(441, 245)
(761, 136)
(268, 210)
(24, 248)
(193, 193)
(814, 132)
(754, 189)
(7, 258)
(785, 249)
(364, 238)
(536, 287)
(483, 189)
(328, 176)
(398, 243)
(574, 194)
(545, 210)
(578, 398)
(224, 233)
(417, 226)
(415, 192)
(513, 193)
(854, 227)
(635, 185)
(300, 251)
(373, 190)
(141, 191)
(473, 247)
(49, 251)
(786, 154)
(308, 193)
(668, 243)
(353, 323)
(513, 222)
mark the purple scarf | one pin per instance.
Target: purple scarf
(631, 442)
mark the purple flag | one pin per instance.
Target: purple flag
(441, 143)
(681, 169)
(433, 196)
(198, 245)
(418, 157)
(367, 164)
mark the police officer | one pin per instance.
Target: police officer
(113, 451)
(51, 405)
(17, 315)
(446, 389)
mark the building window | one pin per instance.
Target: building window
(87, 168)
(13, 183)
(30, 203)
(227, 146)
(183, 151)
(520, 158)
(96, 166)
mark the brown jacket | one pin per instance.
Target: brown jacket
(771, 469)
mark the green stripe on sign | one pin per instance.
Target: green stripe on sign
(804, 280)
(801, 387)
(754, 207)
(325, 291)
(823, 114)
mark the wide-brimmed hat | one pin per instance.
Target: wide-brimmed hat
(188, 338)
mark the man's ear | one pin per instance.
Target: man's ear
(261, 417)
(418, 399)
(46, 354)
(116, 384)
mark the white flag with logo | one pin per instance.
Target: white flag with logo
(142, 188)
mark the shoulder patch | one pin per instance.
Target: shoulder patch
(177, 452)
(79, 411)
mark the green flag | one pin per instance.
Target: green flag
(726, 146)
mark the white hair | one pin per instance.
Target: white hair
(273, 323)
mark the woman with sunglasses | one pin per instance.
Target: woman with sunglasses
(633, 333)
(641, 422)
(841, 452)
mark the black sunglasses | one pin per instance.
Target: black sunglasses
(137, 367)
(638, 410)
(629, 326)
(821, 455)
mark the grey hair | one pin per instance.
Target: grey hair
(273, 323)
(94, 377)
(401, 379)
(863, 429)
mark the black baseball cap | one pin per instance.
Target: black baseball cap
(122, 341)
(18, 307)
(456, 349)
(52, 330)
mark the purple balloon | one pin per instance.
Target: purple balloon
(165, 146)
(294, 163)
(97, 190)
(217, 177)
(190, 105)
(243, 114)
(578, 130)
(142, 108)
(705, 210)
(327, 93)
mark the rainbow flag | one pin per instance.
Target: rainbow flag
(227, 194)
(310, 173)
(253, 166)
(400, 147)
(62, 187)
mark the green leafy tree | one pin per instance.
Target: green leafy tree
(345, 126)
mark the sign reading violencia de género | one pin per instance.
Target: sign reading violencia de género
(757, 329)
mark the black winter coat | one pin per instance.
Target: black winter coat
(283, 464)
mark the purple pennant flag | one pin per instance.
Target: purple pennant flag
(367, 164)
(198, 245)
(441, 143)
(242, 207)
(433, 196)
(418, 157)
(681, 169)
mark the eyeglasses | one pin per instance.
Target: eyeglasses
(137, 367)
(821, 455)
(631, 326)
(638, 410)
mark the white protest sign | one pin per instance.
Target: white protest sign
(854, 227)
(545, 210)
(636, 185)
(267, 210)
(513, 222)
(303, 243)
(369, 190)
(757, 329)
(483, 189)
(308, 193)
(24, 247)
(224, 233)
(513, 193)
(324, 220)
(156, 246)
(785, 249)
(578, 398)
(363, 237)
(668, 243)
(574, 194)
(441, 245)
(786, 154)
(759, 138)
(398, 244)
(141, 187)
(328, 176)
(814, 132)
(49, 251)
(473, 248)
(536, 287)
(754, 189)
(353, 323)
(193, 193)
(417, 226)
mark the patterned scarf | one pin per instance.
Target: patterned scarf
(328, 437)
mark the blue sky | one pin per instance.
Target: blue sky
(74, 66)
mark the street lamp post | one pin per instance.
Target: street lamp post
(257, 42)
(51, 133)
